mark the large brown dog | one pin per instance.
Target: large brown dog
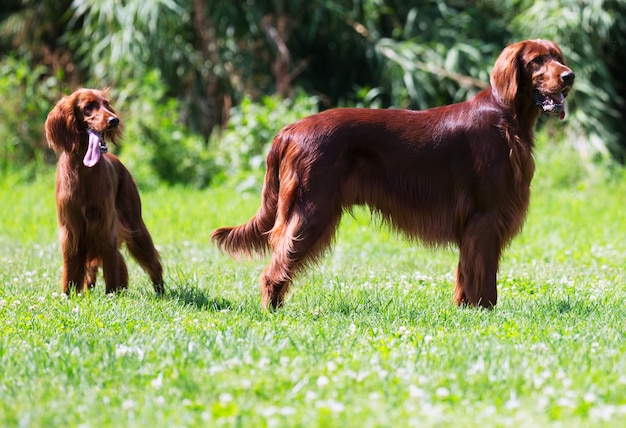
(458, 174)
(98, 205)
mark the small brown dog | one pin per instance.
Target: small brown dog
(458, 174)
(98, 205)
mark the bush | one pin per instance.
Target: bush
(27, 97)
(157, 147)
(240, 150)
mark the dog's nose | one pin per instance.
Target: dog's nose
(113, 122)
(568, 77)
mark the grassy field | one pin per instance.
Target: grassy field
(369, 338)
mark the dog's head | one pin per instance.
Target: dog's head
(533, 68)
(82, 123)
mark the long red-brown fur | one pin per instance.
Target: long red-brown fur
(458, 174)
(98, 207)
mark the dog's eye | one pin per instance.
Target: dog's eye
(538, 60)
(89, 107)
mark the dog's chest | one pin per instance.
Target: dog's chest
(91, 200)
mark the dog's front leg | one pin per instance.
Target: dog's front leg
(478, 262)
(114, 269)
(73, 272)
(74, 258)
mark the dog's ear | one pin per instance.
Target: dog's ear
(507, 72)
(61, 126)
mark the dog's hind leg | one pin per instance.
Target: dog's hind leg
(142, 249)
(298, 243)
(92, 272)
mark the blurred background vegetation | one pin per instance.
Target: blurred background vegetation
(202, 85)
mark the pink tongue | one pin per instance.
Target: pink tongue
(93, 151)
(560, 99)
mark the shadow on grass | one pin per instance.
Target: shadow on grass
(191, 296)
(569, 306)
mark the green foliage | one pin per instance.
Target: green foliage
(429, 76)
(240, 149)
(212, 55)
(118, 41)
(156, 147)
(23, 110)
(426, 63)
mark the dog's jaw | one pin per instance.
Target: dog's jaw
(551, 103)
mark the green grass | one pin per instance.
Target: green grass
(368, 338)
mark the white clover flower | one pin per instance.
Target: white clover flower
(225, 397)
(128, 404)
(442, 392)
(123, 350)
(332, 405)
(268, 412)
(416, 392)
(589, 397)
(322, 381)
(157, 382)
(373, 396)
(432, 410)
(605, 412)
(566, 402)
(512, 403)
(287, 411)
(549, 390)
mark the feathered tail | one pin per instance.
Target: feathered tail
(253, 236)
